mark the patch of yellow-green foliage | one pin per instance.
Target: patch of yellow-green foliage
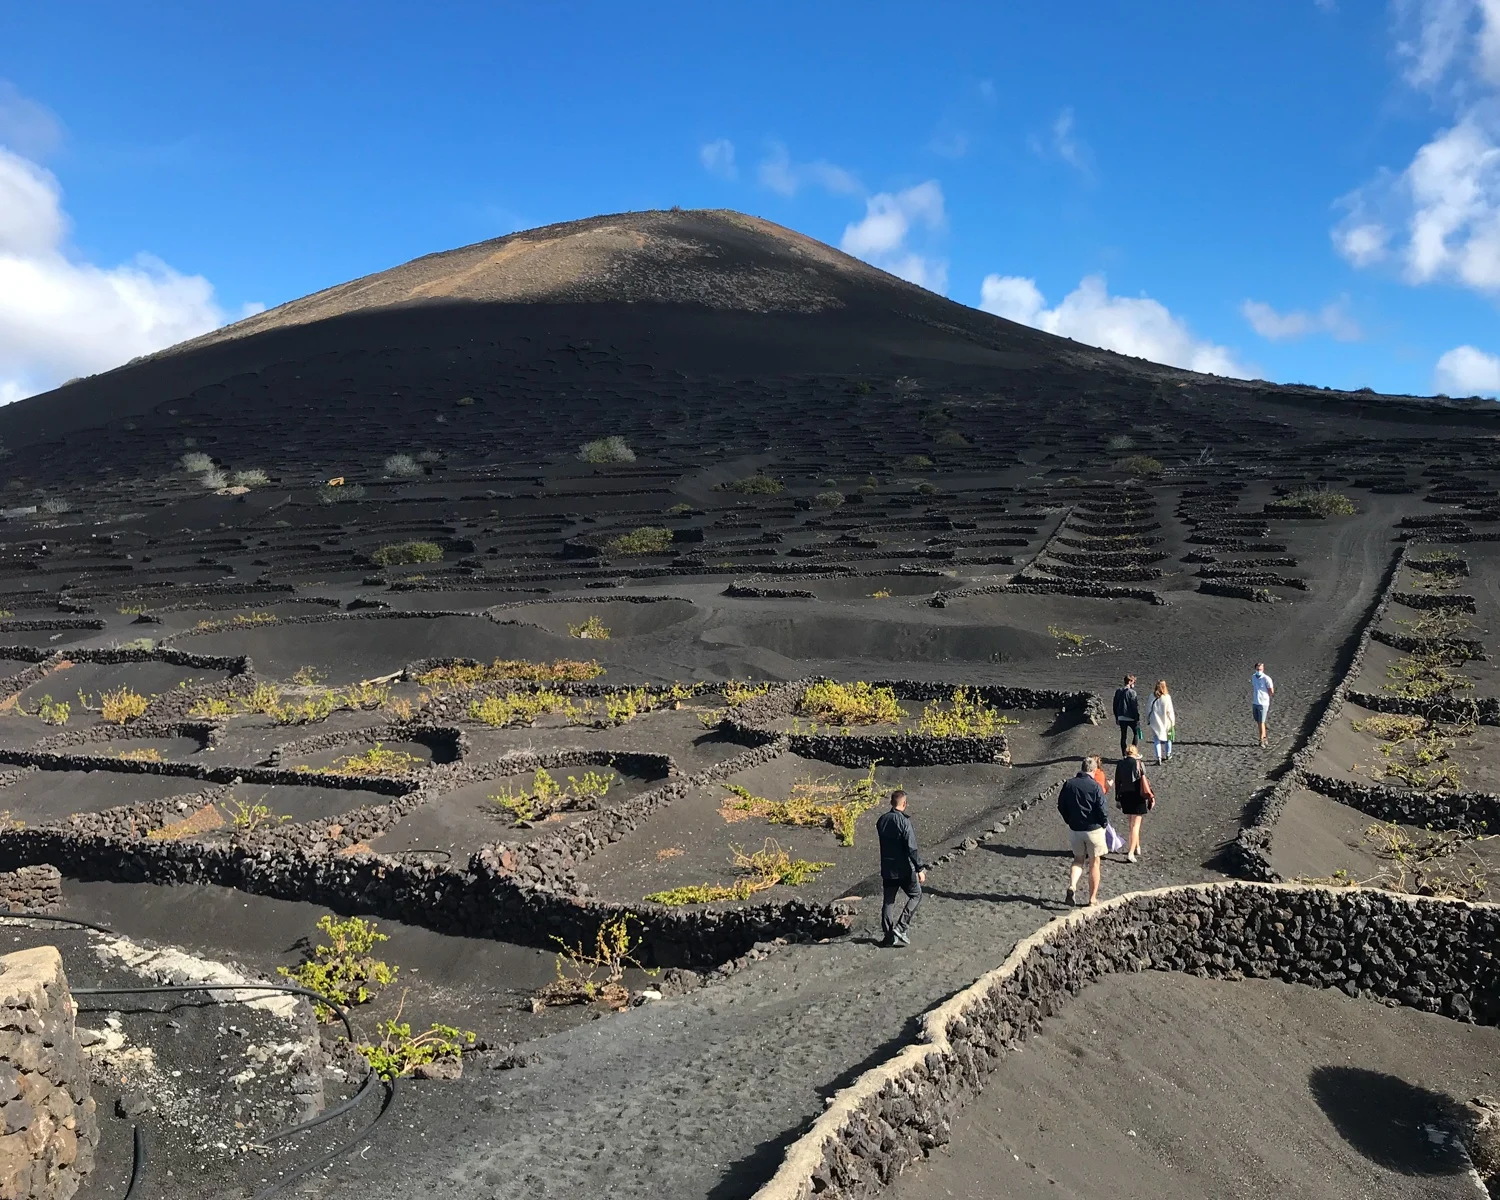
(850, 703)
(118, 706)
(304, 707)
(737, 693)
(813, 803)
(546, 796)
(377, 760)
(399, 1051)
(397, 554)
(1141, 466)
(239, 620)
(1424, 677)
(523, 708)
(763, 869)
(141, 754)
(647, 539)
(343, 971)
(592, 627)
(463, 675)
(965, 715)
(49, 711)
(611, 449)
(1319, 500)
(1068, 642)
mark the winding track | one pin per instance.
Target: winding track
(694, 1097)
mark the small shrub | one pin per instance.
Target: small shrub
(951, 439)
(966, 715)
(247, 818)
(850, 703)
(465, 402)
(546, 796)
(339, 493)
(119, 706)
(1140, 466)
(754, 485)
(195, 462)
(917, 462)
(926, 489)
(55, 506)
(881, 594)
(678, 510)
(648, 539)
(829, 499)
(377, 760)
(343, 971)
(1120, 443)
(133, 610)
(814, 803)
(50, 711)
(402, 553)
(1069, 643)
(593, 628)
(254, 477)
(736, 693)
(606, 450)
(1390, 727)
(522, 708)
(1320, 500)
(578, 970)
(214, 480)
(777, 866)
(141, 754)
(399, 1052)
(402, 466)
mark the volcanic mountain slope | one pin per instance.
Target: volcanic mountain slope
(703, 319)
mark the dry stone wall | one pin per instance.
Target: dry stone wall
(1437, 956)
(48, 1127)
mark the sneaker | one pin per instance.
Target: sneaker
(901, 938)
(886, 942)
(1130, 856)
(1068, 897)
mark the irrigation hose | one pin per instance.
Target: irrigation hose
(138, 1166)
(138, 1163)
(338, 1151)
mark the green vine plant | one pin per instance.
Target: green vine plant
(248, 818)
(578, 970)
(546, 796)
(343, 971)
(813, 803)
(400, 1052)
(49, 711)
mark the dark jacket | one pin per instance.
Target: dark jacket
(1081, 803)
(899, 856)
(1127, 706)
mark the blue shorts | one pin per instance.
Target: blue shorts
(1258, 711)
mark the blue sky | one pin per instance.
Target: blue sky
(1301, 190)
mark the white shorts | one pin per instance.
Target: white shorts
(1088, 843)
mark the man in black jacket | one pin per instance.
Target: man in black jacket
(1128, 713)
(1081, 803)
(901, 869)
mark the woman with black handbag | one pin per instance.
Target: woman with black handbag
(1134, 796)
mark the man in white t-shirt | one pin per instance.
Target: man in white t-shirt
(1261, 691)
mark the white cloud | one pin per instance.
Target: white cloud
(778, 172)
(1446, 206)
(1432, 37)
(1141, 327)
(890, 219)
(60, 317)
(1065, 142)
(26, 127)
(717, 158)
(1467, 371)
(1332, 319)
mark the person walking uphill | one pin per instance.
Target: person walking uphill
(1261, 691)
(1128, 713)
(1081, 803)
(1161, 718)
(902, 869)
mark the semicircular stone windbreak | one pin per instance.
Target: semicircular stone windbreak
(1437, 956)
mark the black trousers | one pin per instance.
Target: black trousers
(889, 921)
(1130, 729)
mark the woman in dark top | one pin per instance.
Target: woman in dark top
(1133, 795)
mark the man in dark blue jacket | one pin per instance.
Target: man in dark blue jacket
(901, 869)
(1081, 803)
(1128, 713)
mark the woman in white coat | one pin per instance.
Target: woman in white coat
(1161, 717)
